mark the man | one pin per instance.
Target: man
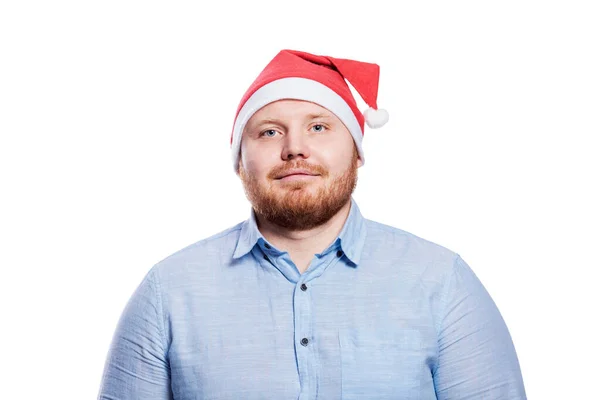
(307, 299)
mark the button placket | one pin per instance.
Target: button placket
(303, 334)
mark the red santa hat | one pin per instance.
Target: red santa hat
(299, 75)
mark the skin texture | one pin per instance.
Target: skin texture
(302, 214)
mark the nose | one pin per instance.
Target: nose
(295, 144)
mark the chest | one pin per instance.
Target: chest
(330, 339)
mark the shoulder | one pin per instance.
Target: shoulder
(214, 250)
(406, 242)
(428, 259)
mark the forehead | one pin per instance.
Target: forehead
(290, 109)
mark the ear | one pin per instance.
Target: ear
(359, 162)
(356, 155)
(239, 166)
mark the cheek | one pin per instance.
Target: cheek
(337, 162)
(257, 166)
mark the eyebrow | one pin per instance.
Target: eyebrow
(309, 117)
(317, 116)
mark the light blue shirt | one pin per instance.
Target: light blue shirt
(379, 314)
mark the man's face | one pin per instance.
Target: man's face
(290, 136)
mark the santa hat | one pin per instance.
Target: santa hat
(299, 75)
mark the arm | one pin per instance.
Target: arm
(477, 358)
(137, 366)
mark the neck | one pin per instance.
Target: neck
(304, 244)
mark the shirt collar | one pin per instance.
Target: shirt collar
(351, 238)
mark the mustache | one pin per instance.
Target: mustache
(282, 169)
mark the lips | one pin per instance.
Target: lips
(295, 172)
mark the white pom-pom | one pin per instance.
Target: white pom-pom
(376, 118)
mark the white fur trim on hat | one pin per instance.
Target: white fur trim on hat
(298, 89)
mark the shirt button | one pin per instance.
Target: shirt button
(303, 287)
(304, 342)
(265, 257)
(340, 253)
(267, 245)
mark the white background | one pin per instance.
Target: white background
(115, 119)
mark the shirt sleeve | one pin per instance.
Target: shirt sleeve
(137, 365)
(477, 357)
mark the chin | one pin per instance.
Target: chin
(304, 187)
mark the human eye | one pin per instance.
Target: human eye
(318, 128)
(268, 133)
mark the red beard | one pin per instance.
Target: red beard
(293, 206)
